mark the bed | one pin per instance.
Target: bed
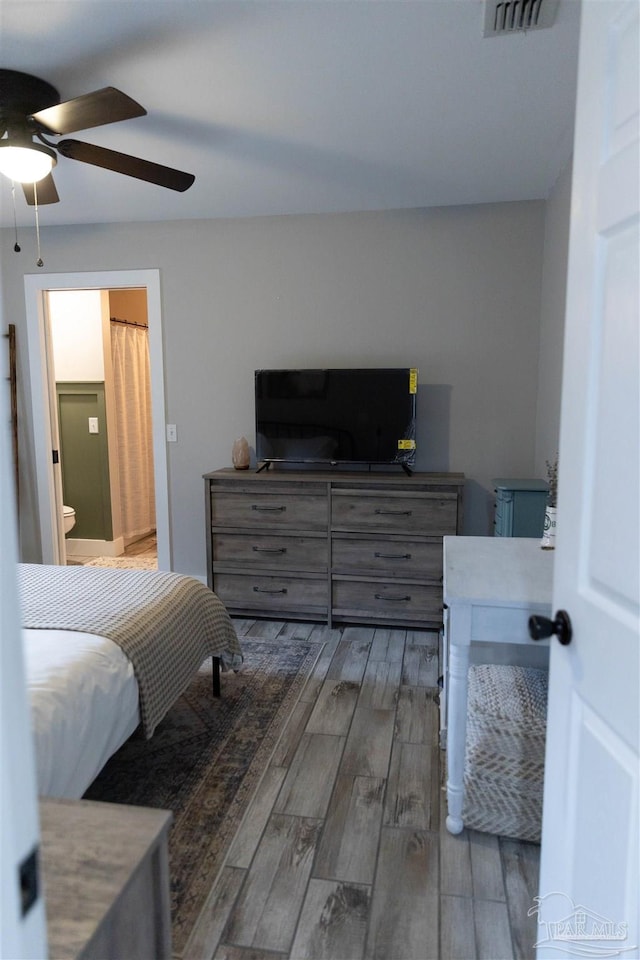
(107, 652)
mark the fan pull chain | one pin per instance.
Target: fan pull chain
(16, 245)
(39, 261)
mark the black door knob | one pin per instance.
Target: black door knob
(542, 627)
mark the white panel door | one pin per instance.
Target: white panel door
(588, 904)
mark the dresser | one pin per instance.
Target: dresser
(519, 507)
(334, 547)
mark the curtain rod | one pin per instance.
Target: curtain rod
(129, 323)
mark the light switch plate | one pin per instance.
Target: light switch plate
(172, 433)
(93, 425)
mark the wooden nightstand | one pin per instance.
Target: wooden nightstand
(106, 880)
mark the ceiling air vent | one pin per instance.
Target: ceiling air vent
(515, 16)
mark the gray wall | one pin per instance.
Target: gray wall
(455, 292)
(552, 310)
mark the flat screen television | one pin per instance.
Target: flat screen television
(338, 416)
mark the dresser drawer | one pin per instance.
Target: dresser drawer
(429, 515)
(271, 594)
(390, 601)
(409, 559)
(301, 511)
(272, 552)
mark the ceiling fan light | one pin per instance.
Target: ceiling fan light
(26, 164)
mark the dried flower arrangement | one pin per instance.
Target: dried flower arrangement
(552, 480)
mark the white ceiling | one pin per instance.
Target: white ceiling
(301, 106)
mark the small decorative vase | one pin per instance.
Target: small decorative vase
(548, 541)
(240, 454)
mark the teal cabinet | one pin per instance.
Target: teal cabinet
(519, 509)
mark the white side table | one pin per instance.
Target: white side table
(492, 586)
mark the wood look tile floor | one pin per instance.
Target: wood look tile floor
(343, 853)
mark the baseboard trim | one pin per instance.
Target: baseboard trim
(94, 548)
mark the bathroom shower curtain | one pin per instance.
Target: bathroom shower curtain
(132, 388)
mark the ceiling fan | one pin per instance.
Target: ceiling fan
(31, 107)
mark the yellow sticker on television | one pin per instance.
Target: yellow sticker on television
(406, 444)
(413, 380)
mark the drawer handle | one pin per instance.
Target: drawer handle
(392, 556)
(267, 508)
(265, 590)
(269, 549)
(381, 596)
(393, 513)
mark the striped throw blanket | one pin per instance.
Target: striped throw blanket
(167, 624)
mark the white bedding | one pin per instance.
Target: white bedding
(84, 705)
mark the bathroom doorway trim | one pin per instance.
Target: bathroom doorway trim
(48, 485)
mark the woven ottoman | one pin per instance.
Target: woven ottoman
(504, 762)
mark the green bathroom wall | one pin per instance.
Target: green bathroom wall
(85, 459)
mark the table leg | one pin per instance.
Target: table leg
(215, 670)
(456, 734)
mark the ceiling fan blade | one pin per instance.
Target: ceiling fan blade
(107, 105)
(46, 191)
(123, 163)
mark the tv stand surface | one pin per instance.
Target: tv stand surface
(357, 547)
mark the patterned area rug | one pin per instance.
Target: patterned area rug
(124, 563)
(205, 761)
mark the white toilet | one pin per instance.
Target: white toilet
(69, 518)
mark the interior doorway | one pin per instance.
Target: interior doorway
(43, 398)
(101, 367)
